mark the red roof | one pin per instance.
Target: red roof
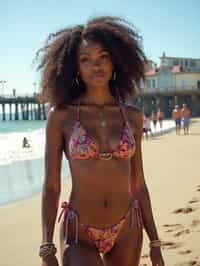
(151, 72)
(176, 69)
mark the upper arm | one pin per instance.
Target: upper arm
(53, 150)
(137, 173)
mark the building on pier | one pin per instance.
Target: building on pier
(175, 81)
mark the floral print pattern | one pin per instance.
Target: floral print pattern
(81, 145)
(104, 239)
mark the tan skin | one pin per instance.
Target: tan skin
(185, 113)
(160, 117)
(99, 188)
(176, 114)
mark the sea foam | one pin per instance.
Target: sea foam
(11, 149)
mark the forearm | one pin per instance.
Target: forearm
(147, 214)
(50, 200)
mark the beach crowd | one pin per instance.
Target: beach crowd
(180, 115)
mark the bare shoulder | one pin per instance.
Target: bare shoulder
(135, 116)
(57, 117)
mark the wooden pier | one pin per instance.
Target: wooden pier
(22, 108)
(168, 98)
(30, 108)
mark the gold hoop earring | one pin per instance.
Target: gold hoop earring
(114, 76)
(77, 81)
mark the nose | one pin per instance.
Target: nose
(96, 64)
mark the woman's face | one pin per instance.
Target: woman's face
(94, 64)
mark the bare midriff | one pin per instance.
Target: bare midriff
(100, 190)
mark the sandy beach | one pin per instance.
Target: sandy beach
(171, 165)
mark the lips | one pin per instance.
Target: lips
(98, 75)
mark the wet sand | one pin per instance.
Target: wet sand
(171, 165)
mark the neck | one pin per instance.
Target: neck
(98, 96)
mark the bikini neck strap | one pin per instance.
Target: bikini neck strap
(78, 111)
(122, 110)
(120, 102)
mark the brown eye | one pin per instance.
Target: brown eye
(84, 59)
(105, 56)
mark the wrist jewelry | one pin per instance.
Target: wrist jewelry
(47, 250)
(155, 243)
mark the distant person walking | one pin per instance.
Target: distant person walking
(185, 115)
(147, 126)
(176, 115)
(160, 117)
(154, 119)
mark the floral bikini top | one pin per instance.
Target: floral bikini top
(83, 147)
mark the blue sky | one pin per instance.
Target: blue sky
(170, 26)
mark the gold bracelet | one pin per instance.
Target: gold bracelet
(155, 243)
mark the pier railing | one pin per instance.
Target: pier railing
(22, 107)
(7, 98)
(182, 90)
(28, 106)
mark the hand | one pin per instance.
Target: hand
(51, 261)
(156, 257)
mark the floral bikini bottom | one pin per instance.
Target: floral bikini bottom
(103, 238)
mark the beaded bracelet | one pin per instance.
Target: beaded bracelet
(155, 243)
(47, 250)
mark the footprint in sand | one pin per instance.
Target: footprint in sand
(195, 222)
(198, 188)
(171, 245)
(193, 200)
(184, 210)
(173, 227)
(188, 263)
(182, 232)
(169, 231)
(184, 252)
(145, 256)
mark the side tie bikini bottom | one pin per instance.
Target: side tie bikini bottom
(103, 238)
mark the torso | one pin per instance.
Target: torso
(154, 117)
(160, 115)
(176, 114)
(185, 113)
(99, 186)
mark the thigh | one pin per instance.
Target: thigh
(127, 250)
(84, 253)
(81, 254)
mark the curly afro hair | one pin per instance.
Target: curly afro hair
(58, 63)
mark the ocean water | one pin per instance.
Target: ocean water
(22, 169)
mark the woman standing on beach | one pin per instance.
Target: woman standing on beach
(87, 73)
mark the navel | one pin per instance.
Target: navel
(105, 203)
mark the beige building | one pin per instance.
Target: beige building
(173, 74)
(175, 81)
